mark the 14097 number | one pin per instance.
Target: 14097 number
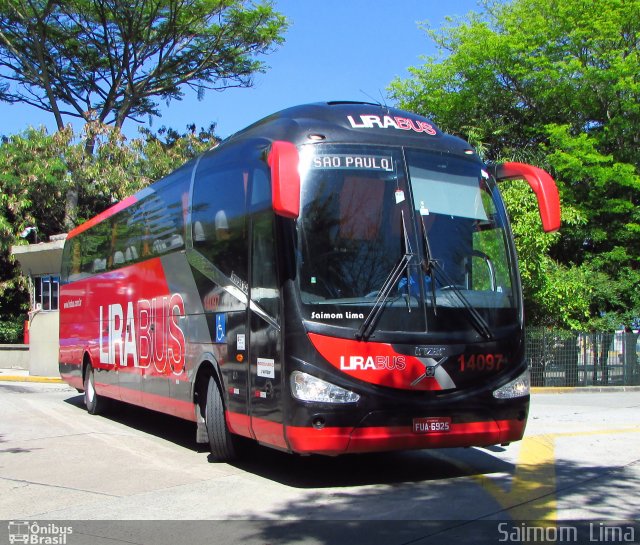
(481, 362)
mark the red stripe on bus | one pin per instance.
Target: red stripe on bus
(177, 407)
(265, 431)
(239, 423)
(125, 203)
(375, 363)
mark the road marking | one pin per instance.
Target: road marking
(532, 491)
(596, 432)
(15, 378)
(531, 494)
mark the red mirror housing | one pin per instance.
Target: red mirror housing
(543, 186)
(285, 179)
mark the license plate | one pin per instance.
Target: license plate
(434, 424)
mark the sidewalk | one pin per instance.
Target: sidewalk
(22, 375)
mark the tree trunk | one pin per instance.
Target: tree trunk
(71, 208)
(73, 193)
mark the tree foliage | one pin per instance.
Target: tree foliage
(37, 169)
(110, 60)
(107, 61)
(32, 177)
(556, 84)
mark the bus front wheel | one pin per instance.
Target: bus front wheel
(220, 440)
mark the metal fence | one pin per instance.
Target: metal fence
(562, 358)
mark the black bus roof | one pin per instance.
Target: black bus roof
(332, 122)
(351, 122)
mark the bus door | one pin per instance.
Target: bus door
(220, 267)
(265, 347)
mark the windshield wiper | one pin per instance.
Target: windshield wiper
(429, 264)
(436, 271)
(369, 323)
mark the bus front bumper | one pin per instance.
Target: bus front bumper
(342, 440)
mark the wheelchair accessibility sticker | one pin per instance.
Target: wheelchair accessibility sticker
(221, 328)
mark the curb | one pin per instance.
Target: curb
(582, 389)
(18, 378)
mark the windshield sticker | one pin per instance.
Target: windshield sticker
(359, 162)
(337, 315)
(266, 368)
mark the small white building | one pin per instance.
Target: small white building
(41, 263)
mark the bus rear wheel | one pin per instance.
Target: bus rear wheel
(221, 441)
(95, 404)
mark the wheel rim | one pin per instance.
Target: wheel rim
(89, 390)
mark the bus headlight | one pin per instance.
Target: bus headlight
(518, 387)
(306, 387)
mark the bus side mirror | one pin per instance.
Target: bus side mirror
(543, 186)
(285, 179)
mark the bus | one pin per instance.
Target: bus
(336, 278)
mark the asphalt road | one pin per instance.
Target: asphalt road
(579, 461)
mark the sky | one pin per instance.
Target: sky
(334, 50)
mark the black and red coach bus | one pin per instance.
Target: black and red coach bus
(336, 278)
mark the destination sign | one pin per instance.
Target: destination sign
(358, 162)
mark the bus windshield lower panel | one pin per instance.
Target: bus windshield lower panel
(417, 238)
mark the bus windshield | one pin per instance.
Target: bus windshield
(415, 237)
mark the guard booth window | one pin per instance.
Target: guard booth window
(46, 291)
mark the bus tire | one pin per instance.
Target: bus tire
(220, 439)
(95, 404)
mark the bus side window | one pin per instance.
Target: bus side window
(219, 217)
(264, 280)
(96, 244)
(159, 218)
(260, 190)
(71, 261)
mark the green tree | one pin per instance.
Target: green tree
(32, 178)
(554, 293)
(555, 84)
(35, 174)
(112, 60)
